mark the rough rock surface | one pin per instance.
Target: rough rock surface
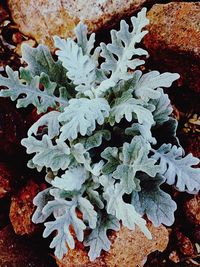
(20, 252)
(22, 208)
(174, 40)
(192, 210)
(60, 17)
(129, 248)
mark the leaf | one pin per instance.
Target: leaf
(81, 115)
(87, 209)
(134, 159)
(65, 216)
(119, 53)
(80, 68)
(81, 155)
(148, 83)
(163, 108)
(30, 91)
(82, 40)
(95, 140)
(40, 60)
(158, 205)
(139, 129)
(46, 154)
(111, 155)
(94, 196)
(50, 120)
(129, 107)
(116, 206)
(98, 239)
(177, 169)
(40, 202)
(72, 179)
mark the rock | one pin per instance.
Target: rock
(174, 40)
(173, 256)
(129, 248)
(192, 210)
(22, 208)
(18, 252)
(184, 244)
(60, 17)
(6, 177)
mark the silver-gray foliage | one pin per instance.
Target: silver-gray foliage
(99, 143)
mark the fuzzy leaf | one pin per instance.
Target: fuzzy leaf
(65, 215)
(94, 195)
(48, 155)
(40, 60)
(72, 179)
(40, 202)
(98, 239)
(81, 115)
(148, 83)
(158, 205)
(50, 120)
(87, 209)
(123, 47)
(117, 207)
(177, 169)
(129, 107)
(163, 108)
(82, 40)
(139, 129)
(80, 68)
(111, 155)
(29, 90)
(134, 159)
(95, 140)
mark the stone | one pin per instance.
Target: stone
(129, 248)
(184, 244)
(17, 251)
(173, 40)
(192, 210)
(22, 208)
(60, 17)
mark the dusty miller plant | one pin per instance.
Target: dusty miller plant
(99, 138)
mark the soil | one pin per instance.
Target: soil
(184, 246)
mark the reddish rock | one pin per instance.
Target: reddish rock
(18, 252)
(6, 178)
(22, 208)
(173, 256)
(61, 17)
(174, 40)
(184, 244)
(192, 210)
(129, 248)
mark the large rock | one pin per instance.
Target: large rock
(43, 19)
(129, 248)
(192, 210)
(22, 208)
(174, 40)
(21, 252)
